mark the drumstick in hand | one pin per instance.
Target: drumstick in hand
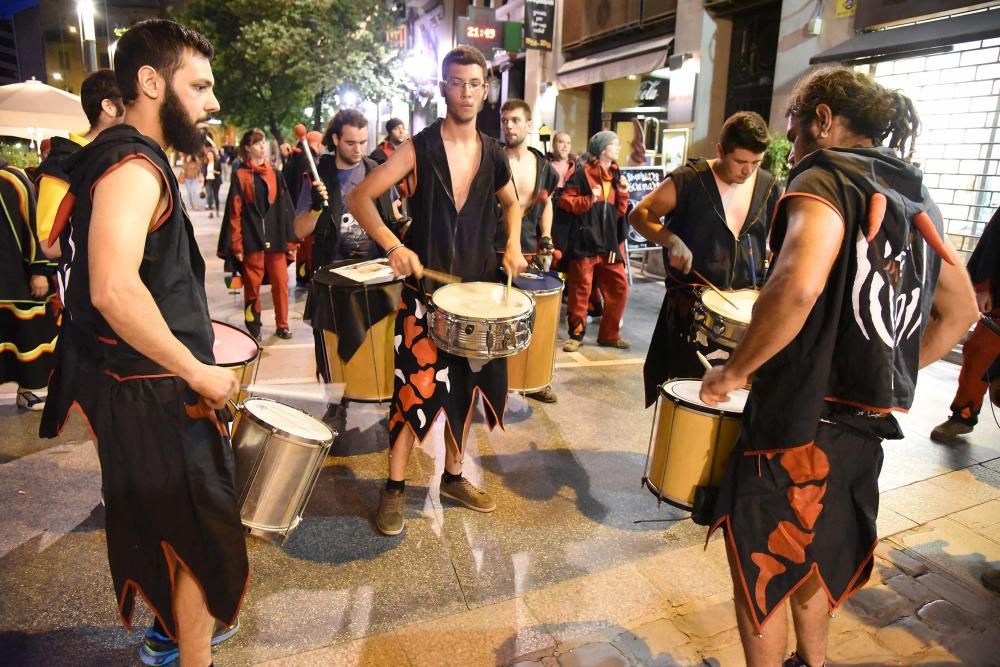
(510, 279)
(715, 289)
(704, 360)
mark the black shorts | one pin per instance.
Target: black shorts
(167, 477)
(787, 512)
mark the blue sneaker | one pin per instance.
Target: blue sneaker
(158, 649)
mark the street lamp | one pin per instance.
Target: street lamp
(88, 36)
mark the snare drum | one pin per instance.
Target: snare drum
(476, 321)
(238, 351)
(358, 322)
(690, 442)
(279, 452)
(720, 323)
(531, 370)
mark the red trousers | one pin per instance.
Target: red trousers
(583, 273)
(254, 266)
(978, 353)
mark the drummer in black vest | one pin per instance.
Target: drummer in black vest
(719, 213)
(135, 353)
(453, 175)
(535, 180)
(337, 234)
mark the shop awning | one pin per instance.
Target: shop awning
(614, 63)
(911, 40)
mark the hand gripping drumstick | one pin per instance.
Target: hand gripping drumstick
(300, 132)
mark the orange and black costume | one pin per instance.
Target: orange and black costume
(27, 323)
(166, 463)
(429, 380)
(982, 346)
(801, 489)
(258, 224)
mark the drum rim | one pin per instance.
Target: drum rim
(706, 409)
(233, 364)
(439, 310)
(298, 439)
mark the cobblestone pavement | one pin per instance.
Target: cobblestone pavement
(578, 567)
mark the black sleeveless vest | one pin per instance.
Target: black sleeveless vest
(172, 268)
(456, 242)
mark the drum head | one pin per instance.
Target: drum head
(288, 419)
(481, 300)
(530, 281)
(232, 346)
(744, 300)
(686, 392)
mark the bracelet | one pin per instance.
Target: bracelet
(393, 249)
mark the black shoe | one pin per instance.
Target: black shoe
(254, 330)
(545, 395)
(283, 333)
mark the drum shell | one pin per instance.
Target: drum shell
(690, 447)
(480, 337)
(275, 472)
(246, 370)
(532, 369)
(368, 374)
(724, 331)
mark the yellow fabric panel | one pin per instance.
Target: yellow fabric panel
(51, 191)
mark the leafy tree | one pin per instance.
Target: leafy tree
(275, 58)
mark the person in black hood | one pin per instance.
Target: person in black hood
(102, 103)
(719, 212)
(863, 290)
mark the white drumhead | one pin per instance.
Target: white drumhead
(688, 390)
(288, 419)
(481, 300)
(744, 300)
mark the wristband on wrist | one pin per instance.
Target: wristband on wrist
(393, 249)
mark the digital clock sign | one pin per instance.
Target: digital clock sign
(483, 33)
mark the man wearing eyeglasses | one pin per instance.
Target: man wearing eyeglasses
(453, 176)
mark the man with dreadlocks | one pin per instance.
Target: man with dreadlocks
(857, 299)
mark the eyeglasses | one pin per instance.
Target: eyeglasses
(458, 84)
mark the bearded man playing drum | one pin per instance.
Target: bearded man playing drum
(135, 353)
(719, 212)
(453, 175)
(862, 292)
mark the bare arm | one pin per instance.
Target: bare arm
(645, 219)
(513, 260)
(812, 242)
(116, 243)
(953, 312)
(361, 203)
(545, 224)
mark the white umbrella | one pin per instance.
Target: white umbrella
(34, 110)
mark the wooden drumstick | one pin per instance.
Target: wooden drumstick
(510, 279)
(441, 276)
(704, 360)
(714, 289)
(324, 393)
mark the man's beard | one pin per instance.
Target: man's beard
(515, 141)
(178, 130)
(346, 159)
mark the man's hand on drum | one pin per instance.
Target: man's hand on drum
(215, 384)
(404, 262)
(680, 255)
(717, 384)
(514, 262)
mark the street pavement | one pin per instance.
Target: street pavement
(578, 567)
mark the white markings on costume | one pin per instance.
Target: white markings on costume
(422, 417)
(861, 251)
(396, 341)
(442, 376)
(419, 310)
(399, 374)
